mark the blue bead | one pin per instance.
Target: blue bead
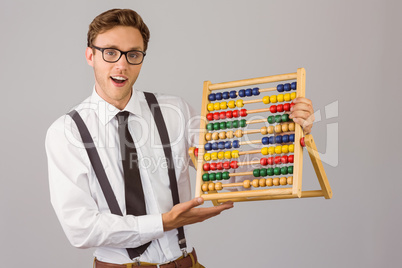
(228, 145)
(285, 138)
(212, 97)
(293, 85)
(249, 92)
(208, 147)
(271, 140)
(292, 137)
(256, 91)
(236, 144)
(233, 94)
(225, 95)
(286, 87)
(279, 88)
(242, 93)
(221, 145)
(219, 96)
(265, 140)
(278, 139)
(215, 146)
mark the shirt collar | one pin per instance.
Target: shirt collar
(106, 111)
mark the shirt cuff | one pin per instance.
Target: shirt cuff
(150, 227)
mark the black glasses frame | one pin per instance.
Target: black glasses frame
(121, 53)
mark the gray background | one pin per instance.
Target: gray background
(351, 51)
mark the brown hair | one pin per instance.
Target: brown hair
(117, 17)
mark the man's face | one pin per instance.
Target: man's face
(114, 81)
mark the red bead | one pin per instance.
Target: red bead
(222, 115)
(210, 116)
(279, 108)
(272, 109)
(264, 161)
(302, 143)
(229, 114)
(219, 166)
(216, 116)
(292, 104)
(270, 160)
(284, 159)
(243, 112)
(233, 164)
(290, 158)
(196, 152)
(286, 107)
(236, 113)
(226, 165)
(213, 166)
(206, 167)
(277, 159)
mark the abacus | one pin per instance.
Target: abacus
(278, 176)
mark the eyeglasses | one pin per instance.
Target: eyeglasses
(111, 55)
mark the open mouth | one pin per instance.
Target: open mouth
(118, 79)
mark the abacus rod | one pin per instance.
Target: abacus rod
(250, 142)
(256, 121)
(250, 193)
(253, 81)
(305, 194)
(267, 89)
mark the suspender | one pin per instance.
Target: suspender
(102, 177)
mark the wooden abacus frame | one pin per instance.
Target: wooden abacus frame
(263, 194)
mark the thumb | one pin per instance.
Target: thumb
(192, 203)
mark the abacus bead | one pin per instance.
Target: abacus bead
(270, 129)
(233, 94)
(278, 149)
(214, 146)
(218, 96)
(278, 128)
(277, 171)
(264, 150)
(222, 115)
(239, 133)
(225, 95)
(256, 183)
(275, 181)
(284, 170)
(210, 126)
(279, 88)
(229, 124)
(292, 126)
(211, 186)
(211, 97)
(242, 93)
(236, 113)
(211, 176)
(285, 127)
(263, 161)
(286, 97)
(229, 114)
(236, 144)
(246, 184)
(264, 130)
(285, 138)
(235, 154)
(272, 109)
(228, 145)
(206, 167)
(292, 137)
(265, 140)
(208, 146)
(285, 149)
(291, 148)
(290, 180)
(279, 108)
(278, 139)
(205, 177)
(286, 87)
(271, 140)
(284, 159)
(210, 116)
(262, 182)
(283, 181)
(225, 175)
(239, 103)
(278, 118)
(286, 107)
(271, 119)
(221, 145)
(280, 98)
(218, 176)
(269, 182)
(217, 106)
(231, 104)
(256, 172)
(223, 105)
(263, 172)
(226, 165)
(265, 100)
(293, 95)
(208, 136)
(222, 125)
(243, 112)
(271, 150)
(270, 160)
(207, 156)
(249, 92)
(214, 156)
(273, 99)
(204, 187)
(270, 171)
(290, 169)
(277, 159)
(196, 152)
(293, 85)
(228, 154)
(243, 123)
(290, 158)
(302, 143)
(216, 126)
(235, 123)
(216, 116)
(222, 135)
(229, 134)
(218, 186)
(256, 91)
(233, 164)
(285, 117)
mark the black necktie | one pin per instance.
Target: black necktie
(135, 202)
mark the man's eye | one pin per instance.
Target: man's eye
(133, 55)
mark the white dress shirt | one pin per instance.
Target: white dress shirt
(76, 194)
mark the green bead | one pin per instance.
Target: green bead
(263, 172)
(290, 169)
(235, 124)
(277, 171)
(271, 119)
(285, 117)
(270, 171)
(243, 123)
(218, 176)
(278, 118)
(256, 173)
(216, 126)
(210, 126)
(222, 125)
(225, 175)
(205, 177)
(211, 176)
(284, 170)
(229, 124)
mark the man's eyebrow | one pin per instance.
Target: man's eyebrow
(133, 48)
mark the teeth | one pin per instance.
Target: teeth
(119, 78)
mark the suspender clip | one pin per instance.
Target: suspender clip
(137, 261)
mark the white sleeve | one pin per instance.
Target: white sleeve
(78, 212)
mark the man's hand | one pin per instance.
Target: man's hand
(188, 213)
(302, 113)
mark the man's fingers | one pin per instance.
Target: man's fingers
(195, 202)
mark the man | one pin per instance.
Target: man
(118, 117)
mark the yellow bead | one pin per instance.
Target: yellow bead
(215, 136)
(271, 150)
(278, 149)
(291, 148)
(210, 107)
(264, 131)
(217, 106)
(269, 182)
(239, 133)
(265, 100)
(271, 130)
(229, 134)
(293, 95)
(231, 104)
(235, 154)
(285, 127)
(276, 181)
(273, 99)
(292, 126)
(246, 184)
(218, 186)
(214, 156)
(278, 128)
(262, 182)
(286, 97)
(221, 155)
(256, 183)
(290, 180)
(239, 103)
(204, 187)
(280, 98)
(228, 154)
(285, 149)
(224, 105)
(222, 135)
(264, 150)
(211, 186)
(207, 156)
(208, 136)
(283, 181)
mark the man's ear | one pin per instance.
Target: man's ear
(89, 55)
